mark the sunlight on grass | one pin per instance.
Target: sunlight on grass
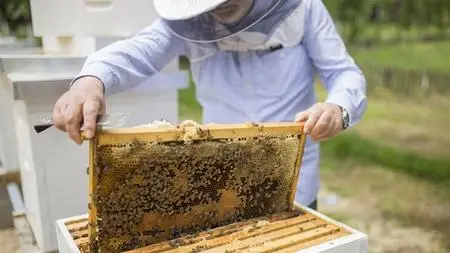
(409, 124)
(419, 126)
(392, 196)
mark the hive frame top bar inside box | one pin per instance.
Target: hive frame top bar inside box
(225, 173)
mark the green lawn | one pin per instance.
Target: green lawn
(431, 56)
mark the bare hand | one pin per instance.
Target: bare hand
(322, 121)
(77, 109)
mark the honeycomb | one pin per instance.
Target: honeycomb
(159, 182)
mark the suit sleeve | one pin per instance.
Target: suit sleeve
(343, 79)
(125, 64)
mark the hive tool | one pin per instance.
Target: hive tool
(107, 120)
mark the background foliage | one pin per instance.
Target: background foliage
(14, 16)
(361, 21)
(430, 17)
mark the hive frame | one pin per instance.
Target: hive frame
(212, 131)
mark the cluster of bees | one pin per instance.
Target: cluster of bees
(153, 192)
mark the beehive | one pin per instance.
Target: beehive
(154, 184)
(299, 230)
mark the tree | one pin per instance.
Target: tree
(15, 13)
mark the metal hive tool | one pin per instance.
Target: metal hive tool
(153, 184)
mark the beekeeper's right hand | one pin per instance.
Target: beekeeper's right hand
(78, 108)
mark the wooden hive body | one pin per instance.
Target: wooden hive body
(301, 230)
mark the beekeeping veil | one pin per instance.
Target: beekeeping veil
(193, 20)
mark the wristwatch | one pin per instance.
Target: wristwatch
(345, 118)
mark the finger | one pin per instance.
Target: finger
(102, 109)
(323, 124)
(58, 118)
(91, 110)
(73, 118)
(337, 127)
(316, 112)
(322, 136)
(302, 116)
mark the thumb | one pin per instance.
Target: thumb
(302, 116)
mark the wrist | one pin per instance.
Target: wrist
(91, 84)
(343, 115)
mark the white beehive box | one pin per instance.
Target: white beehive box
(53, 168)
(310, 241)
(8, 143)
(91, 18)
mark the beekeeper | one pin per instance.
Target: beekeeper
(252, 60)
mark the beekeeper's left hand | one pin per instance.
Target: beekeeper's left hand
(322, 121)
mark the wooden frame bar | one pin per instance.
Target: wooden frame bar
(201, 132)
(92, 184)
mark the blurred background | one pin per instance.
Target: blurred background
(390, 175)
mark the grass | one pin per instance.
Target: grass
(397, 211)
(396, 133)
(430, 56)
(351, 145)
(409, 125)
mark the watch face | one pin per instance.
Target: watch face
(346, 118)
